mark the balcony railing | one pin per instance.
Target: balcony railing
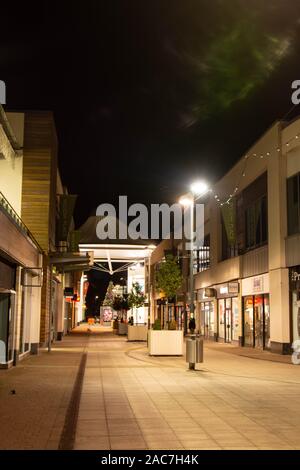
(11, 213)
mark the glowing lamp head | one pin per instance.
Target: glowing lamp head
(199, 187)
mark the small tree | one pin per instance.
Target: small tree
(109, 296)
(120, 304)
(117, 303)
(136, 298)
(169, 277)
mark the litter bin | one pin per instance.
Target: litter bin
(194, 351)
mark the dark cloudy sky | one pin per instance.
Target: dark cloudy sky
(149, 94)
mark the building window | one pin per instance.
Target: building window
(228, 250)
(256, 223)
(293, 204)
(202, 256)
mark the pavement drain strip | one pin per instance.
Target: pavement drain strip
(68, 434)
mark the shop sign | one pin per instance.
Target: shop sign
(295, 274)
(233, 287)
(206, 293)
(258, 284)
(255, 285)
(228, 290)
(209, 292)
(224, 290)
(68, 292)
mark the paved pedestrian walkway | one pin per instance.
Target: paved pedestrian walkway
(34, 416)
(132, 401)
(98, 391)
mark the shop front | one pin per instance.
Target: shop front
(20, 289)
(256, 312)
(295, 302)
(206, 318)
(7, 308)
(228, 312)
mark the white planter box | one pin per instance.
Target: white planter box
(165, 342)
(122, 329)
(137, 333)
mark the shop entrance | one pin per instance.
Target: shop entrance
(6, 326)
(228, 324)
(295, 300)
(228, 313)
(225, 320)
(207, 319)
(256, 321)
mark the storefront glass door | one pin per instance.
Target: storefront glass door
(267, 341)
(202, 319)
(228, 335)
(221, 315)
(211, 322)
(207, 319)
(257, 321)
(235, 319)
(6, 326)
(248, 321)
(296, 315)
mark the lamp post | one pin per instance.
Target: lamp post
(197, 190)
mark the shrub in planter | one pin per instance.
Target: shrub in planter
(172, 325)
(157, 324)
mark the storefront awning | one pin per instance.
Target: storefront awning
(72, 261)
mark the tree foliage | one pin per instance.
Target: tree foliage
(136, 298)
(169, 277)
(120, 303)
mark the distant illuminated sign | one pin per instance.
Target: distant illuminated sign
(68, 292)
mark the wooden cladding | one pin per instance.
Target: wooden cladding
(39, 177)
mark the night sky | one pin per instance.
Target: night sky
(147, 95)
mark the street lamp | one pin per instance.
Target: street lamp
(197, 190)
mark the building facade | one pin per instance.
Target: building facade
(247, 273)
(249, 295)
(20, 254)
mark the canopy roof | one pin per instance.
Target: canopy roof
(122, 251)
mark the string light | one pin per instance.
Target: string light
(227, 200)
